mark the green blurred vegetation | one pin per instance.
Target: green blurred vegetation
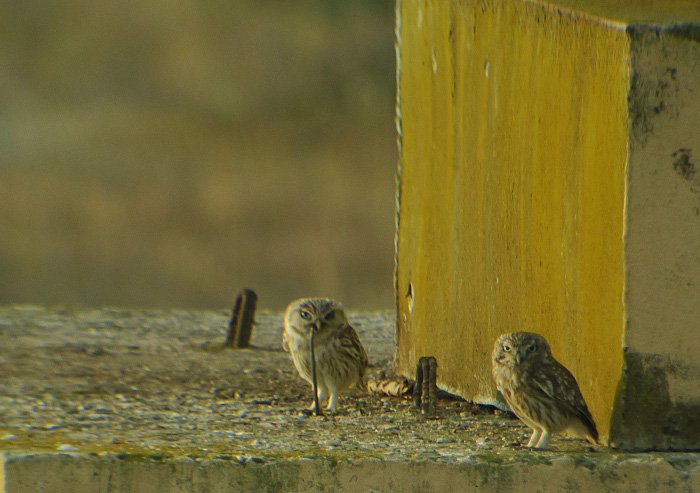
(168, 154)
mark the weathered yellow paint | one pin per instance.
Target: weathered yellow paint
(513, 135)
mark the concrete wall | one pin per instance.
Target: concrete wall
(529, 199)
(659, 401)
(85, 474)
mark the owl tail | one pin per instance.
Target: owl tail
(585, 427)
(591, 429)
(592, 436)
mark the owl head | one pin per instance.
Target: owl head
(521, 349)
(319, 314)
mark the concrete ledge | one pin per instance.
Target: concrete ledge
(526, 472)
(125, 400)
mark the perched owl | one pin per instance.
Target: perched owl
(539, 389)
(341, 360)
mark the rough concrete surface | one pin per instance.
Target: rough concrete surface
(126, 400)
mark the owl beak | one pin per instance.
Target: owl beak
(316, 326)
(518, 357)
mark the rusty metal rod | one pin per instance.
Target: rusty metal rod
(240, 327)
(432, 387)
(425, 404)
(418, 386)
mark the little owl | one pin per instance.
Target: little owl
(341, 360)
(539, 389)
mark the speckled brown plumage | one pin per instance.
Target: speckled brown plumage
(539, 389)
(341, 361)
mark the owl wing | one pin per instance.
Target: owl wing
(350, 343)
(557, 382)
(285, 343)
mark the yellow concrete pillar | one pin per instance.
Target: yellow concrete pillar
(547, 182)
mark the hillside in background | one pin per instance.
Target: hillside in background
(168, 154)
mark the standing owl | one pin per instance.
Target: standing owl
(539, 389)
(341, 360)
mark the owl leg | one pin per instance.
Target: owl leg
(333, 401)
(542, 442)
(535, 438)
(321, 397)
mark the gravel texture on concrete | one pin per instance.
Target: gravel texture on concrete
(158, 386)
(109, 391)
(161, 383)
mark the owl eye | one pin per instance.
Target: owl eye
(304, 314)
(532, 349)
(330, 315)
(506, 348)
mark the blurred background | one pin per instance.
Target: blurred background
(168, 154)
